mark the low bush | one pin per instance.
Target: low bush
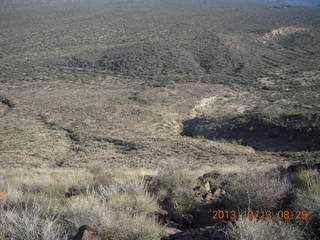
(126, 226)
(87, 210)
(128, 195)
(308, 199)
(179, 187)
(121, 210)
(257, 191)
(254, 229)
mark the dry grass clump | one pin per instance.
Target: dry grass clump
(120, 208)
(254, 229)
(50, 183)
(120, 211)
(122, 184)
(135, 227)
(126, 192)
(129, 195)
(137, 204)
(178, 185)
(112, 223)
(308, 193)
(308, 198)
(31, 221)
(88, 210)
(107, 177)
(257, 191)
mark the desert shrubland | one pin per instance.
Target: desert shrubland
(142, 204)
(253, 229)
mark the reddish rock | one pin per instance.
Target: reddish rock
(3, 196)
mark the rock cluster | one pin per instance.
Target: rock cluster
(208, 192)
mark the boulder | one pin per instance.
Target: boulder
(72, 191)
(87, 233)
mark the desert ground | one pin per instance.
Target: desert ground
(139, 118)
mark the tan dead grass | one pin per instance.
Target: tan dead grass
(253, 229)
(118, 208)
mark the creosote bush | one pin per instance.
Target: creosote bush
(257, 191)
(178, 186)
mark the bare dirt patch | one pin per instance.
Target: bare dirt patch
(224, 101)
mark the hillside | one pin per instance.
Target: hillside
(156, 112)
(103, 72)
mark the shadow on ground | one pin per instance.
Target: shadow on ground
(283, 133)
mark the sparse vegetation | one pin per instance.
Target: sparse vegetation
(135, 118)
(119, 209)
(253, 229)
(178, 186)
(122, 204)
(258, 191)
